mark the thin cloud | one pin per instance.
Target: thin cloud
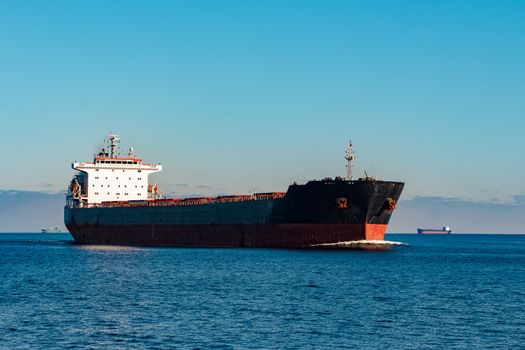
(519, 198)
(460, 214)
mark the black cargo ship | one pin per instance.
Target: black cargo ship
(318, 212)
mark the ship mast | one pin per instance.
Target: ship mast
(349, 156)
(113, 144)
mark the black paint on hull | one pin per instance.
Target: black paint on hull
(318, 212)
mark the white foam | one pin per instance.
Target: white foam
(101, 247)
(363, 242)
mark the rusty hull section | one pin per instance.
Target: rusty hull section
(257, 235)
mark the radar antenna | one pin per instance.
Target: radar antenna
(349, 156)
(114, 141)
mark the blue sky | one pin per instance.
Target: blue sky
(234, 96)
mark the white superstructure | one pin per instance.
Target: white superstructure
(111, 178)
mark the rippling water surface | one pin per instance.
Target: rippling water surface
(447, 292)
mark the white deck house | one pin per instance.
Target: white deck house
(113, 178)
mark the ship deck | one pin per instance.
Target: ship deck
(189, 201)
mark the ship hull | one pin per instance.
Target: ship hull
(232, 235)
(422, 231)
(319, 212)
(434, 233)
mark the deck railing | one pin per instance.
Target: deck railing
(188, 201)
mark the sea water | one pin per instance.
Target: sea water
(442, 292)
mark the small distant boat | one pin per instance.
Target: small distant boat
(51, 230)
(445, 230)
